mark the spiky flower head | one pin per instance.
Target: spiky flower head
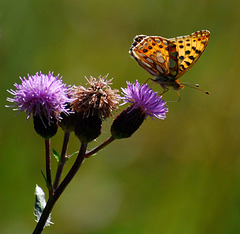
(92, 105)
(97, 99)
(142, 96)
(42, 96)
(144, 102)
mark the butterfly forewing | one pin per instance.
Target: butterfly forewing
(189, 49)
(136, 40)
(154, 54)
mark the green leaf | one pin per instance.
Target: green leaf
(56, 155)
(69, 156)
(40, 204)
(45, 178)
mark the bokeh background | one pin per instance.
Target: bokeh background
(180, 175)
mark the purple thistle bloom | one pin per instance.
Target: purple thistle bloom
(40, 95)
(144, 97)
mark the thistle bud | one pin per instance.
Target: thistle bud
(45, 128)
(87, 129)
(126, 123)
(67, 122)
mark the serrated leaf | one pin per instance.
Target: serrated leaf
(40, 204)
(56, 155)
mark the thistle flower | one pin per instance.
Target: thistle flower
(142, 96)
(93, 105)
(144, 102)
(43, 96)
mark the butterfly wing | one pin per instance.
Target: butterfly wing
(136, 40)
(189, 49)
(157, 55)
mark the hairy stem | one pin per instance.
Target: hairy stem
(95, 150)
(62, 160)
(53, 198)
(48, 164)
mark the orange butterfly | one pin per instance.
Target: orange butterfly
(168, 59)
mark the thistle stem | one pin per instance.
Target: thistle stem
(54, 197)
(62, 160)
(95, 150)
(48, 164)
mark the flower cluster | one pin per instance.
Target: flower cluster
(82, 110)
(46, 97)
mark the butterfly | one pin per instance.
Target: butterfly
(168, 59)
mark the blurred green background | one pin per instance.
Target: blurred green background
(180, 175)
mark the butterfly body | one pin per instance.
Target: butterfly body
(167, 81)
(168, 59)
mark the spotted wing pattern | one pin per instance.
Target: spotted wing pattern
(190, 49)
(155, 54)
(169, 58)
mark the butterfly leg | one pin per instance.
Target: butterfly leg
(165, 89)
(148, 80)
(179, 97)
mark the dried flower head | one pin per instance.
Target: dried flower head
(40, 95)
(98, 99)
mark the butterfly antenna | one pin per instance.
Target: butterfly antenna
(195, 86)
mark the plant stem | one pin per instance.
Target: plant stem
(95, 150)
(53, 198)
(62, 160)
(48, 164)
